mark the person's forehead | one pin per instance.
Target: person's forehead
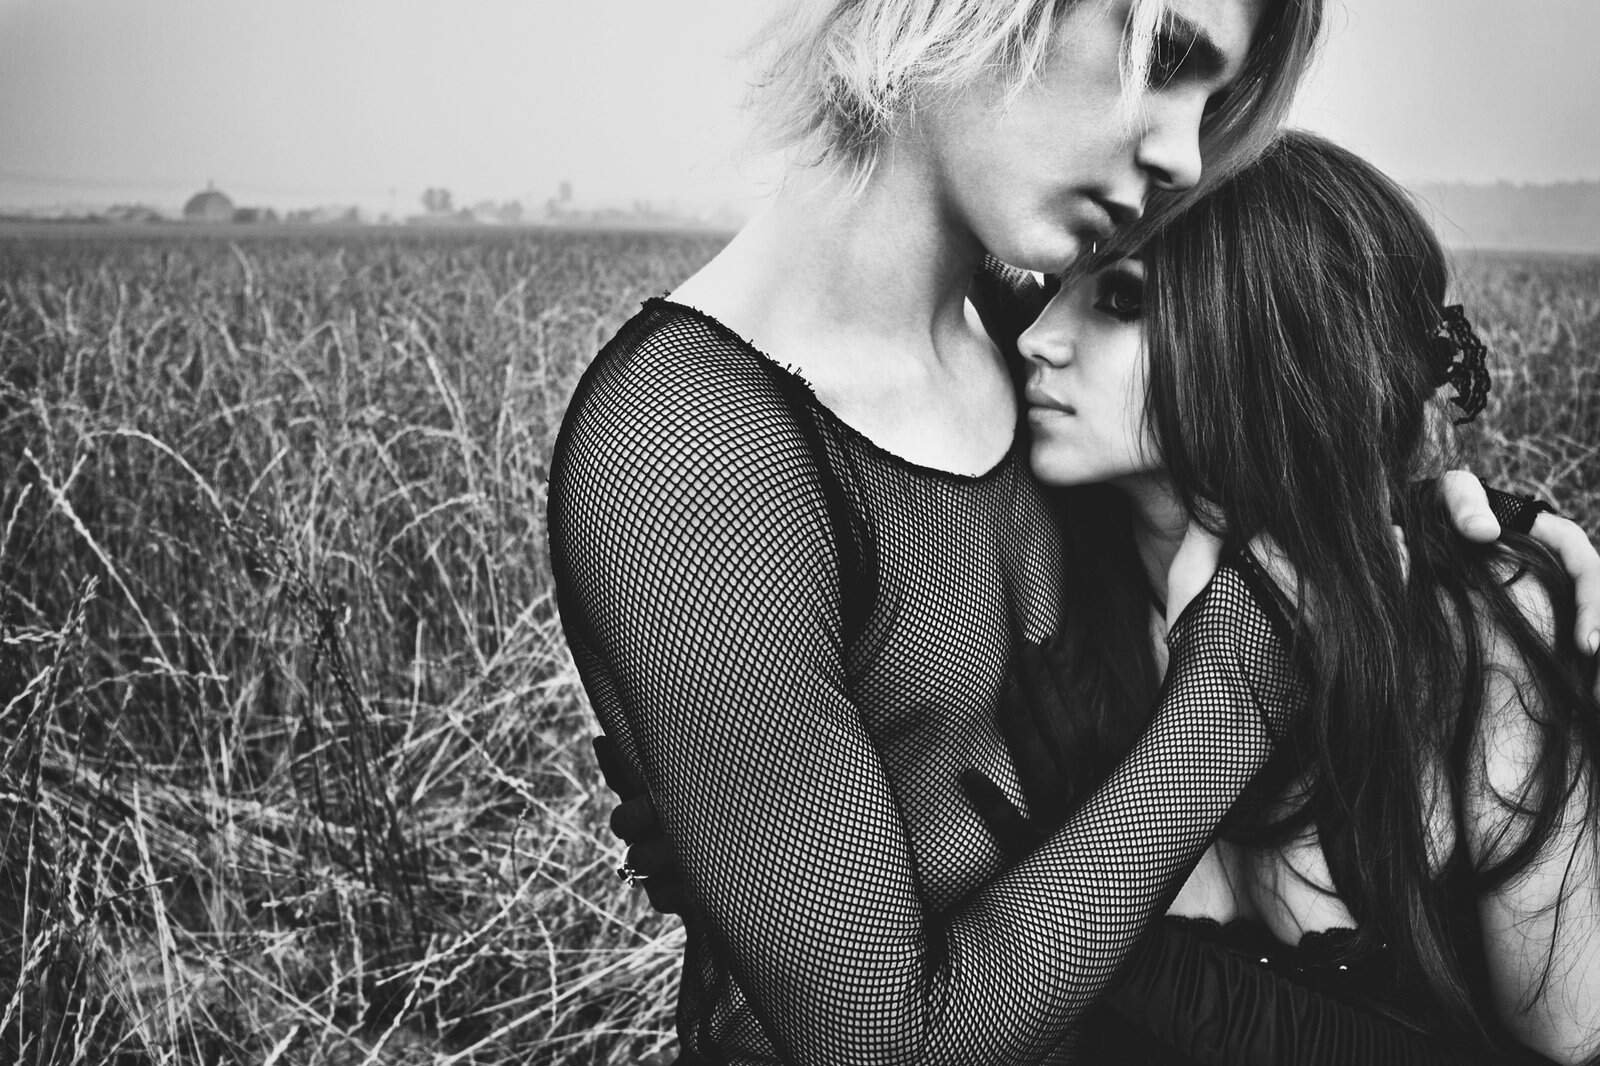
(1217, 31)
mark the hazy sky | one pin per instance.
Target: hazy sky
(292, 102)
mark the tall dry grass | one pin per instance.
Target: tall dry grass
(299, 768)
(1541, 432)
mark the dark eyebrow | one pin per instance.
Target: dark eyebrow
(1200, 53)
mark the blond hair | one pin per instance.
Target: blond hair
(839, 76)
(1248, 121)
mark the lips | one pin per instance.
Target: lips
(1096, 223)
(1043, 401)
(1115, 214)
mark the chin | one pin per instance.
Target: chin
(1045, 249)
(1061, 472)
(1069, 480)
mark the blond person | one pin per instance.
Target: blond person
(796, 543)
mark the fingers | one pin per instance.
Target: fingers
(1572, 546)
(653, 870)
(616, 769)
(651, 858)
(1468, 506)
(635, 819)
(666, 895)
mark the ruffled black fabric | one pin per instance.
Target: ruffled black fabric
(1200, 993)
(1204, 993)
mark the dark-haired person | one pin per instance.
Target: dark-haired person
(1426, 842)
(796, 543)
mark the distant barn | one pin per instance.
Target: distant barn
(208, 206)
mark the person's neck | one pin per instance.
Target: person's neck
(1159, 522)
(885, 263)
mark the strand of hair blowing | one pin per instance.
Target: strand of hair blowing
(838, 75)
(1289, 312)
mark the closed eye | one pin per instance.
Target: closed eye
(1182, 48)
(1166, 62)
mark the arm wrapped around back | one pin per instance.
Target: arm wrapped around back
(699, 582)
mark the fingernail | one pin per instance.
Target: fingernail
(1592, 641)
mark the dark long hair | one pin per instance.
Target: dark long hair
(1290, 318)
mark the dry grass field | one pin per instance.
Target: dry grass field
(297, 766)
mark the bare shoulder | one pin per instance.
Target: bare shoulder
(1512, 728)
(1532, 599)
(1540, 924)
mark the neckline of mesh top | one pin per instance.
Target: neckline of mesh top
(1007, 458)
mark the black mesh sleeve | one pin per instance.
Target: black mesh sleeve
(699, 584)
(1008, 299)
(1515, 513)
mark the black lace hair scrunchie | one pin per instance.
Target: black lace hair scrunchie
(1459, 356)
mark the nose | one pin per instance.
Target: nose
(1044, 346)
(1169, 151)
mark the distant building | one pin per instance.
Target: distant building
(254, 214)
(208, 206)
(508, 213)
(326, 215)
(132, 213)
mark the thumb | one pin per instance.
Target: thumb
(1468, 505)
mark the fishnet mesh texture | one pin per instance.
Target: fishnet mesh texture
(800, 640)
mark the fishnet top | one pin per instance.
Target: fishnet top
(800, 640)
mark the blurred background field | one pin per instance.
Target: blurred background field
(298, 766)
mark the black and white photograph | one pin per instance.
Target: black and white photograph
(838, 532)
